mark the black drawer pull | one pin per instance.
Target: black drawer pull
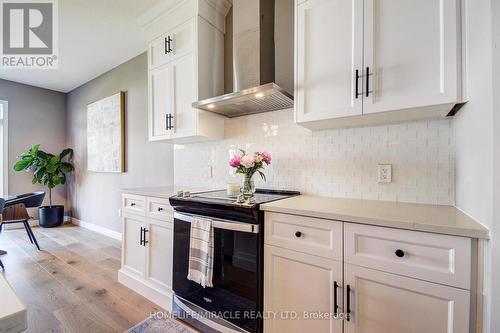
(298, 234)
(399, 253)
(160, 209)
(348, 303)
(142, 233)
(335, 305)
(132, 204)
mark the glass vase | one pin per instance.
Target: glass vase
(248, 186)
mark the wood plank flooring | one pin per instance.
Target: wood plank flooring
(71, 285)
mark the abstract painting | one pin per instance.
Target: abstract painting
(106, 134)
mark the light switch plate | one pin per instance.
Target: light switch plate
(384, 173)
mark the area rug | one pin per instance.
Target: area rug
(164, 325)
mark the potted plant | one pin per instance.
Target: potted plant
(48, 170)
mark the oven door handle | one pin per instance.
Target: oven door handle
(221, 224)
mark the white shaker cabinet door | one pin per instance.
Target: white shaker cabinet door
(159, 239)
(411, 53)
(301, 284)
(387, 303)
(160, 102)
(184, 93)
(329, 52)
(133, 253)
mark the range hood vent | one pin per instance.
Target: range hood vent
(250, 52)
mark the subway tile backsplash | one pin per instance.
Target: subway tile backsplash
(337, 162)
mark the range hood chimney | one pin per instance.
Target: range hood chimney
(252, 62)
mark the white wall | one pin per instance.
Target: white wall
(337, 162)
(495, 256)
(475, 168)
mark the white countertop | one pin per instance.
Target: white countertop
(430, 218)
(13, 314)
(163, 191)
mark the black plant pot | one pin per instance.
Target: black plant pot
(51, 216)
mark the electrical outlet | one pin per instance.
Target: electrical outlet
(119, 212)
(384, 173)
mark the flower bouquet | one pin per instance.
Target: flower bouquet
(248, 165)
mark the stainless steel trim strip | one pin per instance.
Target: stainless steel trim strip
(220, 224)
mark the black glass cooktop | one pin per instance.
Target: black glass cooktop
(261, 196)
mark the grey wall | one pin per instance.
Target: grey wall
(36, 115)
(95, 197)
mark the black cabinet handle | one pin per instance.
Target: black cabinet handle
(168, 46)
(132, 204)
(166, 122)
(348, 303)
(356, 94)
(298, 234)
(145, 241)
(335, 305)
(169, 121)
(399, 253)
(141, 242)
(368, 81)
(160, 209)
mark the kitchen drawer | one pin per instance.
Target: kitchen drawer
(133, 204)
(433, 257)
(160, 209)
(304, 234)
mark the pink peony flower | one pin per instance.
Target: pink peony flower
(248, 161)
(266, 157)
(235, 161)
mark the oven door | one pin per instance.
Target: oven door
(237, 277)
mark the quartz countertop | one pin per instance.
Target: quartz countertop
(163, 191)
(13, 314)
(420, 217)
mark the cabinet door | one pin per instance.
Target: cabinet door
(133, 253)
(160, 102)
(387, 303)
(411, 47)
(157, 52)
(160, 253)
(183, 39)
(329, 51)
(184, 93)
(299, 283)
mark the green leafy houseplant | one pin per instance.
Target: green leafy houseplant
(48, 169)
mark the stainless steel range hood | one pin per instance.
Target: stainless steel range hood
(250, 51)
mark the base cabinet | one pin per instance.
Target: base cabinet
(302, 285)
(387, 303)
(147, 249)
(315, 292)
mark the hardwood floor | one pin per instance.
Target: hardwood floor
(71, 285)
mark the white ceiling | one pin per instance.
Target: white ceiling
(94, 37)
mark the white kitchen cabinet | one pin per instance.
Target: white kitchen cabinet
(387, 303)
(160, 102)
(185, 65)
(389, 280)
(365, 62)
(134, 253)
(159, 237)
(147, 248)
(411, 47)
(329, 52)
(303, 284)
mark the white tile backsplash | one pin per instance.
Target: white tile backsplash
(337, 162)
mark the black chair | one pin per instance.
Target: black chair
(15, 211)
(2, 204)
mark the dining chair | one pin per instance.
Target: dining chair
(15, 211)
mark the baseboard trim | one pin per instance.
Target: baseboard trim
(152, 294)
(101, 230)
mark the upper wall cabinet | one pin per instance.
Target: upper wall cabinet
(185, 64)
(362, 62)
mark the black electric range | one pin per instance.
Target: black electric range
(235, 302)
